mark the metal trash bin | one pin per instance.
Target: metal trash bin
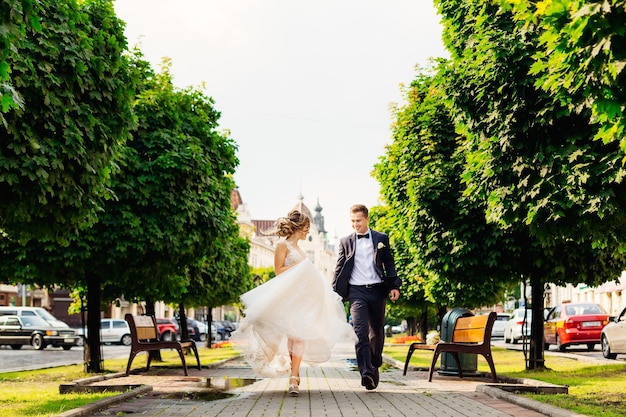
(469, 361)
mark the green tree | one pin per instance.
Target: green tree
(58, 148)
(532, 160)
(448, 253)
(581, 57)
(171, 211)
(15, 15)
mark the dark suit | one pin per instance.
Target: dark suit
(367, 304)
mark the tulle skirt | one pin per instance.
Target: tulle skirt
(298, 304)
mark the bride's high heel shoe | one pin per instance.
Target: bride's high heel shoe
(294, 390)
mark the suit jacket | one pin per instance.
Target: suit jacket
(383, 263)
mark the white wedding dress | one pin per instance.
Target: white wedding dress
(299, 304)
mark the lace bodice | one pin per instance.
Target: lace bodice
(294, 254)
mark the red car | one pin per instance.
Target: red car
(168, 329)
(574, 324)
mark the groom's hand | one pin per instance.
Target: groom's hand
(394, 295)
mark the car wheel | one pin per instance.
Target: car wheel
(126, 340)
(16, 347)
(546, 346)
(559, 346)
(513, 340)
(606, 349)
(167, 337)
(67, 347)
(37, 342)
(590, 346)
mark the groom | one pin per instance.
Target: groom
(365, 276)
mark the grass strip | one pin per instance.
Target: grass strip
(36, 393)
(594, 390)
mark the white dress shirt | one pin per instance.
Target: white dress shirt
(363, 272)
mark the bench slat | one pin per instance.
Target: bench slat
(146, 333)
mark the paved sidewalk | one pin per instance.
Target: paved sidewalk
(333, 389)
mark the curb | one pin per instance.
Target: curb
(528, 403)
(89, 409)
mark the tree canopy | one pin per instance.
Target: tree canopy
(58, 148)
(581, 57)
(491, 177)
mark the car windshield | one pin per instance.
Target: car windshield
(32, 321)
(46, 316)
(582, 309)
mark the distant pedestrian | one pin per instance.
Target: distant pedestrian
(366, 276)
(293, 317)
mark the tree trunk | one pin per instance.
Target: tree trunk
(441, 312)
(536, 358)
(411, 326)
(210, 320)
(184, 330)
(94, 364)
(424, 324)
(154, 354)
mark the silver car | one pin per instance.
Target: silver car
(498, 326)
(613, 337)
(517, 328)
(115, 331)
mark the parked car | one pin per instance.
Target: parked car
(17, 331)
(214, 334)
(111, 331)
(194, 330)
(574, 324)
(614, 336)
(516, 329)
(168, 329)
(202, 329)
(32, 311)
(115, 331)
(224, 328)
(498, 326)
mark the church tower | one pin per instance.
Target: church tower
(318, 219)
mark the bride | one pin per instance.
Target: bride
(294, 317)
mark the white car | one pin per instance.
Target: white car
(112, 331)
(115, 331)
(613, 337)
(516, 328)
(498, 325)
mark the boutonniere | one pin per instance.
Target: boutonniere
(381, 245)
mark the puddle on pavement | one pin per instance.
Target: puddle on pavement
(227, 383)
(196, 395)
(216, 389)
(352, 363)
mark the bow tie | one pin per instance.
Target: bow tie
(366, 236)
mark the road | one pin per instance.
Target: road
(28, 358)
(575, 351)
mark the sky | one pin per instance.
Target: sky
(304, 88)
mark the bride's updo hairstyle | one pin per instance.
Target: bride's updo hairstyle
(287, 226)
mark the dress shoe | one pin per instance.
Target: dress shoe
(368, 382)
(376, 377)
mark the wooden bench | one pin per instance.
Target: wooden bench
(470, 335)
(145, 338)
